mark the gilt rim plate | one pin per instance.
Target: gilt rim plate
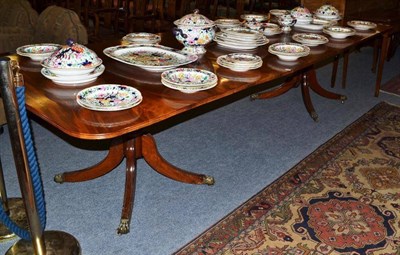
(109, 97)
(150, 57)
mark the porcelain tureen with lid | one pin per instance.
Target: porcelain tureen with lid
(194, 31)
(72, 59)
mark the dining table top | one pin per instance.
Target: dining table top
(57, 105)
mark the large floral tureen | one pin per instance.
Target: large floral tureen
(194, 31)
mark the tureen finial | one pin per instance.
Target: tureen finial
(196, 11)
(70, 42)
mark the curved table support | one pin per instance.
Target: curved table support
(133, 148)
(313, 83)
(112, 160)
(289, 84)
(159, 164)
(307, 79)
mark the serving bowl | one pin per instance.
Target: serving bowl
(142, 38)
(254, 17)
(278, 12)
(194, 31)
(72, 59)
(289, 51)
(327, 11)
(270, 28)
(339, 32)
(38, 52)
(227, 23)
(361, 25)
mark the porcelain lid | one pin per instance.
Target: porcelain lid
(194, 20)
(327, 9)
(301, 12)
(73, 55)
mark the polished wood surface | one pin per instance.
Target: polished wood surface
(57, 104)
(130, 131)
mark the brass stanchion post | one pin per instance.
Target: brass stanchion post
(42, 242)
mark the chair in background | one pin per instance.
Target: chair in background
(17, 24)
(57, 24)
(150, 15)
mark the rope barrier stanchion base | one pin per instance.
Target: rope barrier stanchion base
(56, 242)
(17, 214)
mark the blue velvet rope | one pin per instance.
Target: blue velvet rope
(34, 172)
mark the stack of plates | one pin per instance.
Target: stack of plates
(141, 38)
(240, 38)
(109, 97)
(240, 62)
(72, 80)
(189, 80)
(310, 39)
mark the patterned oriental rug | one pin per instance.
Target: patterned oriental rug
(392, 86)
(344, 198)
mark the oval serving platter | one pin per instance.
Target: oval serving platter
(150, 57)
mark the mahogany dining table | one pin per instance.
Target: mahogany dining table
(130, 131)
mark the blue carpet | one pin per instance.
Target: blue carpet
(245, 145)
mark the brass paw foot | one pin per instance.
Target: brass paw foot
(253, 97)
(123, 227)
(209, 180)
(59, 178)
(343, 98)
(314, 116)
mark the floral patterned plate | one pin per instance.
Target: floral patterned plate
(310, 39)
(109, 97)
(361, 25)
(155, 58)
(189, 79)
(289, 51)
(38, 52)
